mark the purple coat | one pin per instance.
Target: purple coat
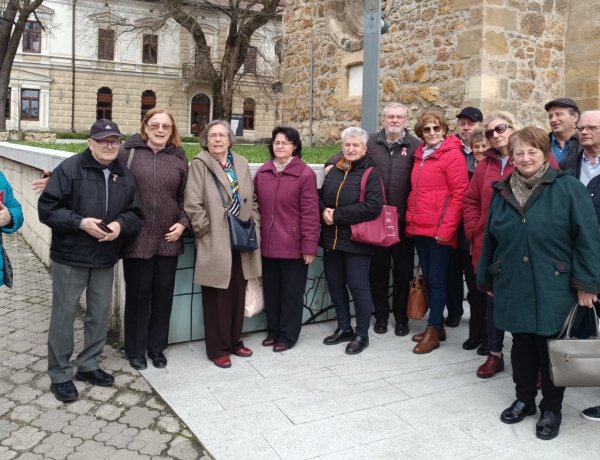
(289, 210)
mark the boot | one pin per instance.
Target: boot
(430, 341)
(441, 334)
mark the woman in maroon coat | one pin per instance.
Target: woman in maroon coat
(286, 189)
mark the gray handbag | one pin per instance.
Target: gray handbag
(575, 362)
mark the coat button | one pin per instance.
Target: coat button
(556, 273)
(523, 220)
(525, 259)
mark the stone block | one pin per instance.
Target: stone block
(533, 24)
(503, 18)
(495, 43)
(465, 4)
(542, 57)
(469, 43)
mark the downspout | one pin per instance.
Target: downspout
(311, 80)
(73, 68)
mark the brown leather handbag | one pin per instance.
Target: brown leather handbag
(417, 305)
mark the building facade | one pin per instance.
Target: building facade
(115, 59)
(510, 55)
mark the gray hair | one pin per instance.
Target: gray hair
(355, 131)
(502, 115)
(204, 133)
(393, 105)
(589, 112)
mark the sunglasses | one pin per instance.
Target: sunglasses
(489, 133)
(432, 129)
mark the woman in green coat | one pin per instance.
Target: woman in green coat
(541, 254)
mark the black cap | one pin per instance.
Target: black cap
(104, 128)
(562, 102)
(471, 113)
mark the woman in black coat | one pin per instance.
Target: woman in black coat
(347, 262)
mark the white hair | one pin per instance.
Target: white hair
(355, 131)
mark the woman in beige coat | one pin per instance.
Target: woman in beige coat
(221, 271)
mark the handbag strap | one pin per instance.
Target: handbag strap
(130, 158)
(363, 186)
(565, 331)
(218, 189)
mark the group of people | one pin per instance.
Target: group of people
(490, 202)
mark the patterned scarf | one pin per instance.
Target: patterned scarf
(235, 206)
(522, 187)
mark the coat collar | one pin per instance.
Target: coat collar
(450, 142)
(88, 161)
(294, 167)
(137, 142)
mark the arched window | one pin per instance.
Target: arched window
(200, 113)
(249, 108)
(148, 101)
(32, 37)
(104, 103)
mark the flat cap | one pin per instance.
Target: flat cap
(562, 102)
(471, 113)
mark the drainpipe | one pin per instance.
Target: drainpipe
(73, 68)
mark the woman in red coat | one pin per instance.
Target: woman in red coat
(435, 207)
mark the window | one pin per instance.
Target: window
(250, 62)
(7, 105)
(148, 101)
(355, 80)
(32, 37)
(150, 49)
(30, 104)
(106, 44)
(248, 116)
(104, 103)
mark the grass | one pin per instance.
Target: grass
(255, 153)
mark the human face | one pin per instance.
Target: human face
(589, 133)
(353, 148)
(158, 129)
(499, 140)
(105, 150)
(283, 149)
(478, 148)
(466, 126)
(562, 122)
(527, 158)
(433, 133)
(394, 122)
(218, 140)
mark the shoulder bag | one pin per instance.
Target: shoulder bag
(417, 305)
(575, 362)
(242, 233)
(254, 297)
(381, 231)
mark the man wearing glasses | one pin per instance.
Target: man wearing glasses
(563, 114)
(90, 204)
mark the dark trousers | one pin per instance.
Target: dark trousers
(434, 258)
(223, 311)
(495, 335)
(530, 353)
(459, 263)
(149, 286)
(284, 281)
(402, 256)
(345, 271)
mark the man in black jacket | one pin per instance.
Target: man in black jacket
(563, 115)
(90, 204)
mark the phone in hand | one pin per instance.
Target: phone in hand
(105, 228)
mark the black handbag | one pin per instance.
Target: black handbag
(7, 270)
(242, 233)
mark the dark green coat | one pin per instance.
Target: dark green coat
(536, 258)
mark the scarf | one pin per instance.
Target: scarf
(235, 206)
(522, 187)
(280, 167)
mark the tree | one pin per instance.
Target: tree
(245, 17)
(13, 17)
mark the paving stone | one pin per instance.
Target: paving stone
(128, 455)
(47, 400)
(54, 420)
(92, 450)
(24, 438)
(84, 426)
(81, 406)
(109, 412)
(30, 456)
(5, 406)
(20, 346)
(101, 393)
(22, 376)
(155, 442)
(183, 449)
(140, 384)
(156, 403)
(25, 413)
(57, 446)
(6, 453)
(24, 393)
(117, 435)
(139, 417)
(123, 380)
(128, 398)
(169, 424)
(5, 387)
(6, 428)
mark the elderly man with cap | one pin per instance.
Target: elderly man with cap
(563, 115)
(90, 204)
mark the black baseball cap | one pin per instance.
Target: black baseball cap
(562, 102)
(104, 128)
(471, 113)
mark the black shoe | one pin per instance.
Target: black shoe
(358, 344)
(516, 412)
(453, 321)
(159, 360)
(548, 425)
(65, 391)
(96, 377)
(380, 327)
(339, 336)
(470, 344)
(483, 350)
(139, 363)
(401, 329)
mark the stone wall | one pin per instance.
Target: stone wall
(441, 54)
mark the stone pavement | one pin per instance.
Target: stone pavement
(126, 421)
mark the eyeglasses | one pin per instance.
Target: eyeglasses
(215, 135)
(590, 128)
(157, 126)
(104, 143)
(398, 117)
(489, 133)
(281, 144)
(432, 129)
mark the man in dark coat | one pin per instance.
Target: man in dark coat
(563, 115)
(90, 204)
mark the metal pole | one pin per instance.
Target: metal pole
(372, 49)
(73, 68)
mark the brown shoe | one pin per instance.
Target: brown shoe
(491, 367)
(430, 341)
(441, 334)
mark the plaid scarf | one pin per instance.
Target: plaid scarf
(235, 206)
(522, 187)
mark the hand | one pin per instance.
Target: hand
(5, 217)
(586, 299)
(90, 226)
(308, 258)
(328, 216)
(175, 232)
(39, 185)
